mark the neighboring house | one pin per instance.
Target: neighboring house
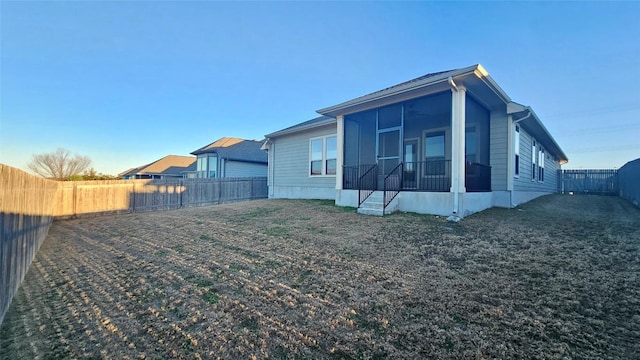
(169, 167)
(231, 157)
(447, 143)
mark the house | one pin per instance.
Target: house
(168, 167)
(447, 143)
(231, 157)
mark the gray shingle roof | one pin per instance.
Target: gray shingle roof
(309, 124)
(172, 165)
(422, 81)
(235, 149)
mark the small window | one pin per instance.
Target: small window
(331, 154)
(316, 157)
(533, 160)
(516, 150)
(541, 165)
(213, 166)
(322, 156)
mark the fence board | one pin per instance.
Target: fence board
(26, 209)
(83, 198)
(28, 205)
(589, 181)
(629, 181)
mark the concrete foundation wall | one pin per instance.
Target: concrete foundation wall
(302, 192)
(521, 197)
(475, 202)
(436, 203)
(347, 198)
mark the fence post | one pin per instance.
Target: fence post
(133, 197)
(75, 199)
(180, 194)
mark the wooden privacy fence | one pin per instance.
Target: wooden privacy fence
(115, 196)
(588, 181)
(629, 181)
(28, 205)
(26, 213)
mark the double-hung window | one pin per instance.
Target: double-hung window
(541, 164)
(322, 156)
(516, 150)
(534, 155)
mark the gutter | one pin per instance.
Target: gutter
(524, 117)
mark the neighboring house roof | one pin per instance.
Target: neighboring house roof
(170, 165)
(309, 124)
(235, 149)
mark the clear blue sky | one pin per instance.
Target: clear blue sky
(127, 83)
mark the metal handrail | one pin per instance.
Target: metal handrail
(392, 185)
(368, 179)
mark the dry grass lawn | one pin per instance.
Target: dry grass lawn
(557, 278)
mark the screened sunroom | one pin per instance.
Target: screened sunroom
(410, 145)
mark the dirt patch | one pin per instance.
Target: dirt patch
(556, 278)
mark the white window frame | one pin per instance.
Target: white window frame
(323, 171)
(516, 150)
(534, 155)
(540, 164)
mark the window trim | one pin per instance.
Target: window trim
(323, 169)
(516, 151)
(203, 170)
(534, 163)
(540, 164)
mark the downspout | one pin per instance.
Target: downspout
(456, 179)
(515, 122)
(270, 148)
(271, 164)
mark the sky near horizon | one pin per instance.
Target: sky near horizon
(128, 82)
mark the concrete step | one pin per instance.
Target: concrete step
(373, 205)
(370, 211)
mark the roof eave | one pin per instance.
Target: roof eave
(482, 73)
(476, 70)
(301, 128)
(562, 157)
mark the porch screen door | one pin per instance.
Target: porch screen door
(388, 153)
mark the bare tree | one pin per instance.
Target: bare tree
(58, 165)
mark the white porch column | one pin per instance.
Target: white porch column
(340, 150)
(457, 139)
